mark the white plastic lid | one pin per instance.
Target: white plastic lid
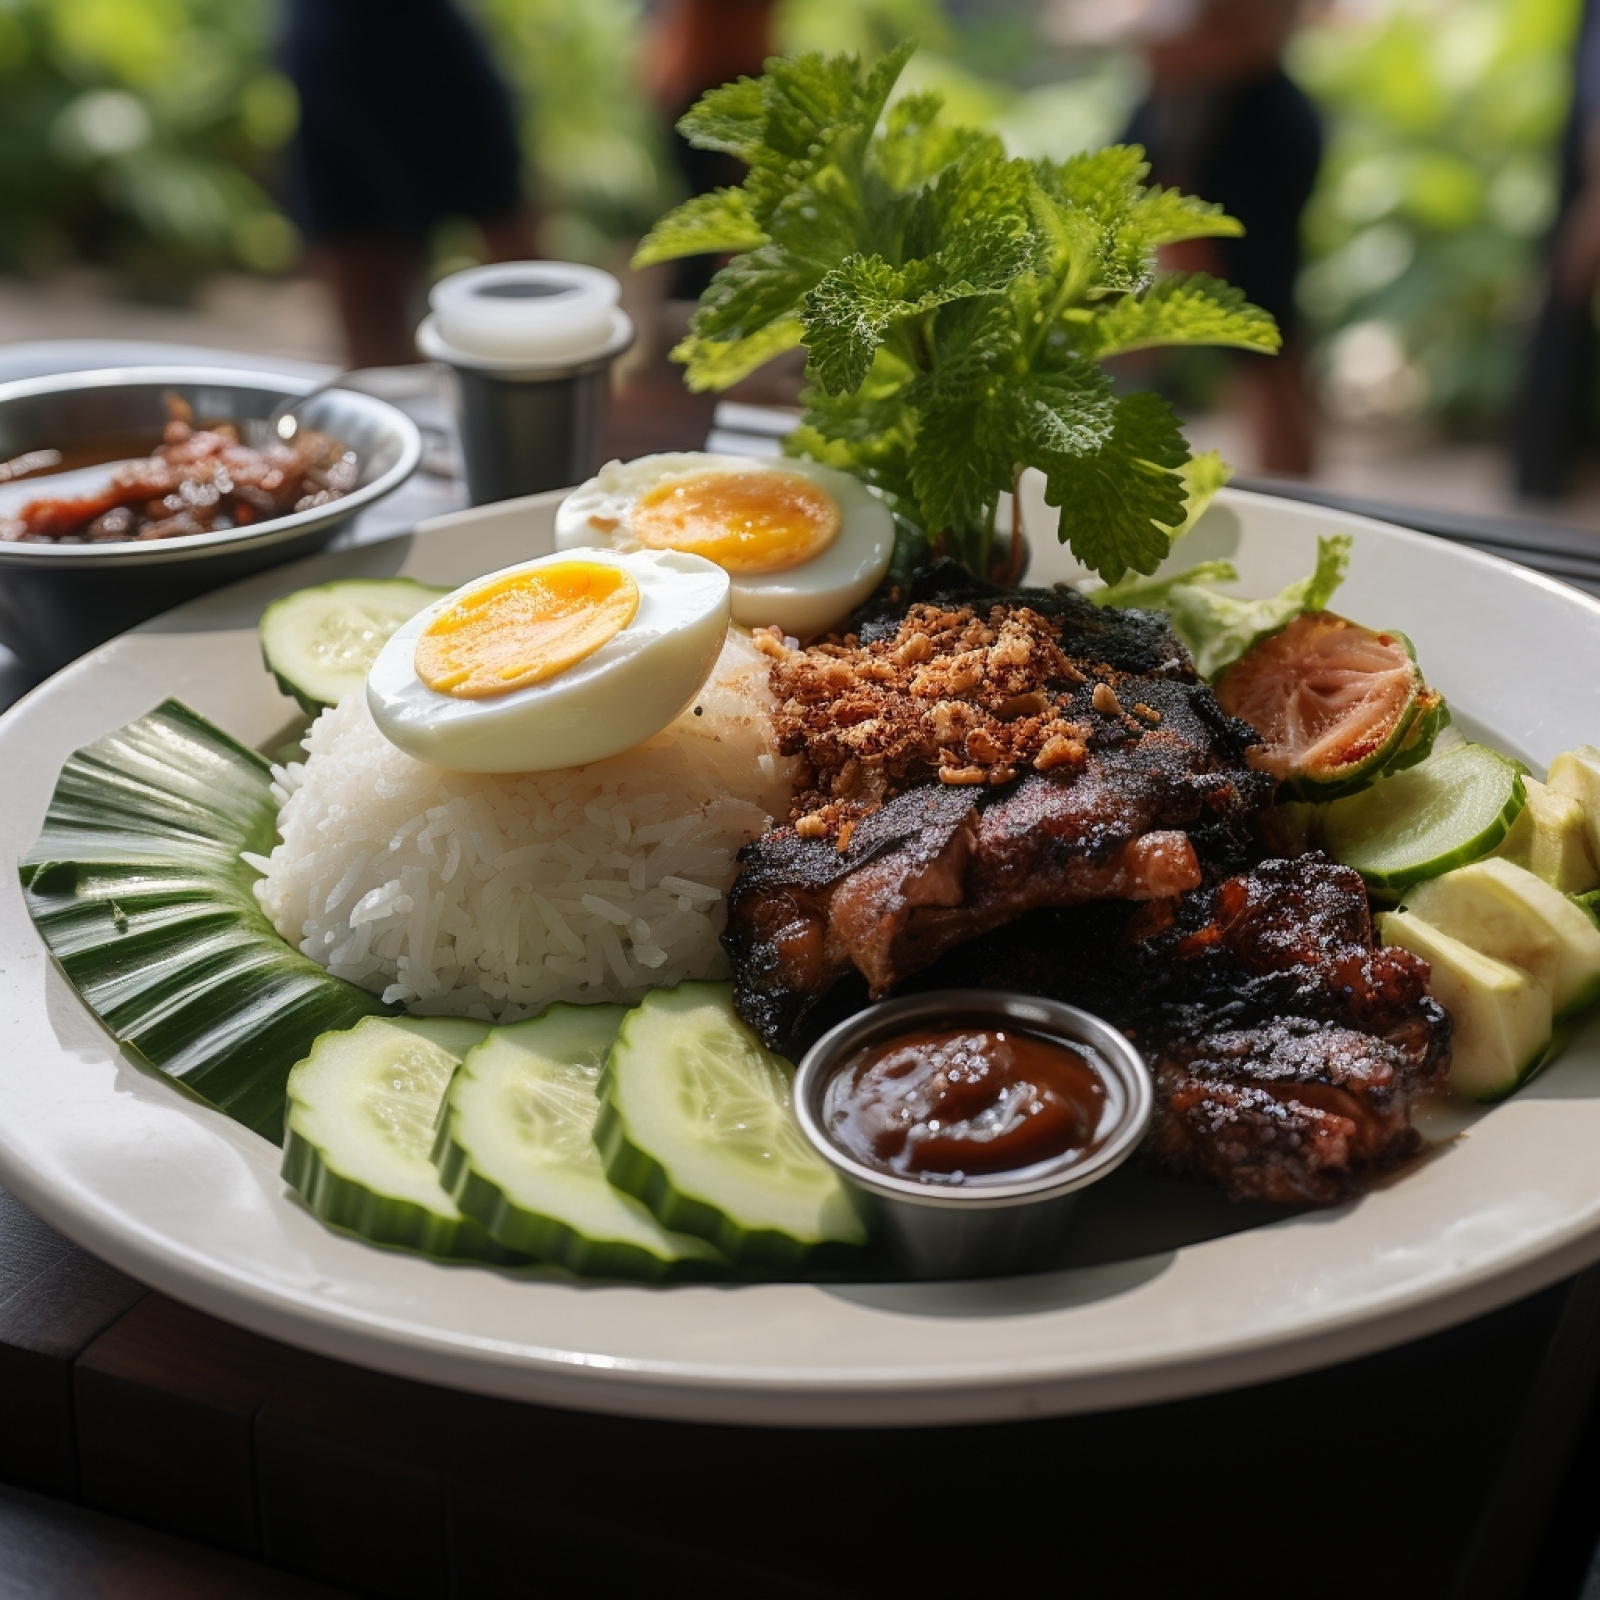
(527, 310)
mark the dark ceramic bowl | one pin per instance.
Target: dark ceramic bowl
(59, 600)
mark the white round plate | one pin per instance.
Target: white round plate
(1175, 1292)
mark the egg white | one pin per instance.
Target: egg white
(626, 691)
(803, 600)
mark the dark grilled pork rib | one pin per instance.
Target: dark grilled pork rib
(930, 870)
(1289, 1111)
(1138, 642)
(938, 864)
(1028, 792)
(1287, 1049)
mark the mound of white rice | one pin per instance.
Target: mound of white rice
(491, 895)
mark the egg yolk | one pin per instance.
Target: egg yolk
(760, 521)
(525, 628)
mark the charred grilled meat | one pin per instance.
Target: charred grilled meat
(970, 764)
(1027, 792)
(1138, 642)
(1287, 1048)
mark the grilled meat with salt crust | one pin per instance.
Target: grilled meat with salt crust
(965, 767)
(1287, 1048)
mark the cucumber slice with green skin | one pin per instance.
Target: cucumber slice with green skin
(696, 1120)
(137, 887)
(1501, 1013)
(1441, 813)
(1468, 907)
(363, 1107)
(319, 643)
(516, 1149)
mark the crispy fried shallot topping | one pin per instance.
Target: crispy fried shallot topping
(970, 699)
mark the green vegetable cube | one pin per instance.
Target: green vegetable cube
(1504, 911)
(1551, 839)
(1502, 1014)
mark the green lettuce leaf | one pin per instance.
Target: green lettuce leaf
(1218, 628)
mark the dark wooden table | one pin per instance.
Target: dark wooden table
(1433, 1470)
(152, 1450)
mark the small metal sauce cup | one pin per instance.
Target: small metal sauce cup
(992, 1224)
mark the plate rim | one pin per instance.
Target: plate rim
(740, 1393)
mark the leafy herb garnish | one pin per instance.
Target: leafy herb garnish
(954, 304)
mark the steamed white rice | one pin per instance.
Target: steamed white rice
(491, 895)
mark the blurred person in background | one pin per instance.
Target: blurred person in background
(1222, 119)
(404, 122)
(1556, 408)
(696, 45)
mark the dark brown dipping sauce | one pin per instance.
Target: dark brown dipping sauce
(969, 1099)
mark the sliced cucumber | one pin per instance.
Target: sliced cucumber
(319, 643)
(696, 1121)
(1501, 1013)
(1439, 814)
(516, 1149)
(1505, 911)
(363, 1107)
(137, 886)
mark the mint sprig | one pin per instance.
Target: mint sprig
(954, 304)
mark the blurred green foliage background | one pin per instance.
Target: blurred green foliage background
(1444, 119)
(140, 132)
(148, 135)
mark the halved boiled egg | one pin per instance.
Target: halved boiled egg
(552, 663)
(804, 544)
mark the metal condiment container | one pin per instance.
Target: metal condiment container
(59, 599)
(529, 346)
(988, 1225)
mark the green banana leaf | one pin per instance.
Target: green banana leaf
(137, 887)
